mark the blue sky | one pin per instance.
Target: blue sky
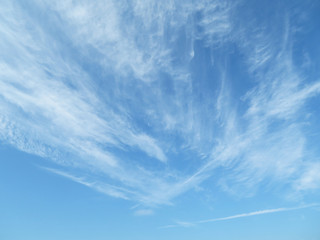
(159, 119)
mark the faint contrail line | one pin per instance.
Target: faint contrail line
(260, 212)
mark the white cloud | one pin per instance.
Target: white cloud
(111, 88)
(310, 179)
(143, 212)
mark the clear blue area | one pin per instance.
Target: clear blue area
(159, 120)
